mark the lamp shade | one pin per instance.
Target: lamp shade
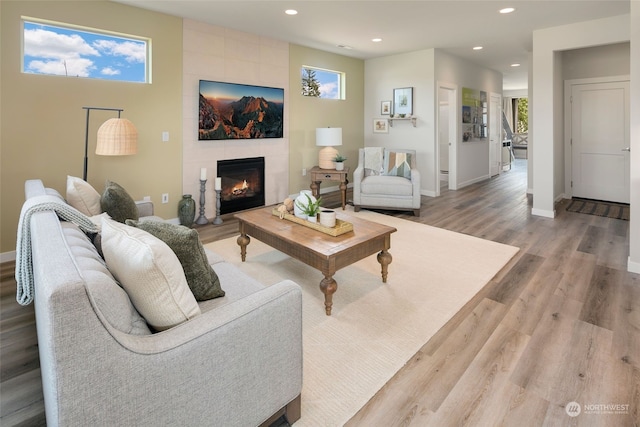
(328, 137)
(117, 137)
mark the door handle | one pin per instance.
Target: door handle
(626, 149)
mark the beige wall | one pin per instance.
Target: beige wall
(43, 123)
(307, 113)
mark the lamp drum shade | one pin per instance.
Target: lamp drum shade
(328, 138)
(117, 137)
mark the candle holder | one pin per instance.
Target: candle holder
(202, 219)
(217, 220)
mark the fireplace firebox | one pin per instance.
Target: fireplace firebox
(242, 184)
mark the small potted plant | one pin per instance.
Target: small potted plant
(311, 208)
(339, 161)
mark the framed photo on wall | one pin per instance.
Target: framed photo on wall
(385, 108)
(380, 126)
(403, 101)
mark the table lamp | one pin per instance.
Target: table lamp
(328, 138)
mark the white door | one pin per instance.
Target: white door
(447, 133)
(495, 134)
(600, 141)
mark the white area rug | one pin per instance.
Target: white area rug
(375, 328)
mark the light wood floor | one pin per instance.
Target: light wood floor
(560, 323)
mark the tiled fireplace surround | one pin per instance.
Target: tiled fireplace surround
(221, 54)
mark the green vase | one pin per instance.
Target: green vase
(186, 210)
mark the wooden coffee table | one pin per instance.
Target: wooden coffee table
(319, 250)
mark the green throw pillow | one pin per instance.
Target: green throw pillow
(116, 202)
(185, 243)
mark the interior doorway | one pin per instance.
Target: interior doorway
(495, 134)
(447, 134)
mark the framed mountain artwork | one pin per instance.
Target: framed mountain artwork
(237, 111)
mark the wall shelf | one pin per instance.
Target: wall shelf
(412, 119)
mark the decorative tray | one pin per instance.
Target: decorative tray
(340, 228)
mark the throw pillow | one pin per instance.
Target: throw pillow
(150, 273)
(372, 161)
(82, 196)
(185, 243)
(397, 164)
(118, 203)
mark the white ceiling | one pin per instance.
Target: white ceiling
(405, 26)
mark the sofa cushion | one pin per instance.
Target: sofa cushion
(105, 293)
(150, 273)
(118, 203)
(397, 164)
(185, 243)
(388, 185)
(82, 196)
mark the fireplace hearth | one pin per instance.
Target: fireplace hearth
(242, 184)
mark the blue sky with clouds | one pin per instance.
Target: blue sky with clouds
(329, 83)
(71, 52)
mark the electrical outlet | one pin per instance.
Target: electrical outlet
(165, 136)
(304, 171)
(165, 197)
(146, 198)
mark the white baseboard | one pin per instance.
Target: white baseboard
(473, 181)
(543, 212)
(7, 256)
(633, 266)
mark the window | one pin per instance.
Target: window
(65, 50)
(320, 83)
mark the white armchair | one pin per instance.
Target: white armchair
(386, 179)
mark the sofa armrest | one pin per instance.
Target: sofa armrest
(145, 208)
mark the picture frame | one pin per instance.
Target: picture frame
(403, 101)
(385, 108)
(380, 126)
(231, 111)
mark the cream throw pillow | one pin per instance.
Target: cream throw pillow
(150, 273)
(82, 196)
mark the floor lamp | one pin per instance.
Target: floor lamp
(116, 137)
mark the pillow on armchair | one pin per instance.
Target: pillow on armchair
(397, 164)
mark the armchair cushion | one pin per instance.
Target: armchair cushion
(82, 196)
(391, 185)
(151, 274)
(185, 243)
(397, 164)
(118, 203)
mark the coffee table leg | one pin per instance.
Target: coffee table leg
(243, 241)
(384, 258)
(328, 286)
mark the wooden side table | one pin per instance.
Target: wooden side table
(318, 175)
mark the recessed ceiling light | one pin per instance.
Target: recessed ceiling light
(291, 12)
(507, 10)
(376, 40)
(515, 65)
(477, 48)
